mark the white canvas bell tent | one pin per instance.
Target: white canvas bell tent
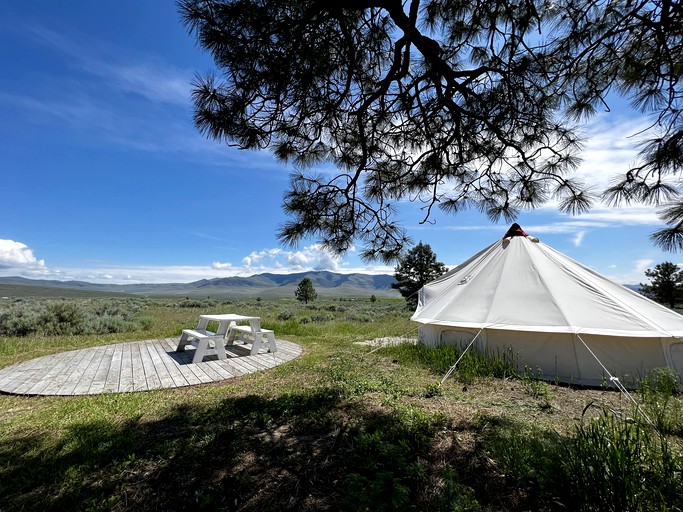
(519, 296)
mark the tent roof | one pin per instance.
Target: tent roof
(519, 283)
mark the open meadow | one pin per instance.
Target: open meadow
(348, 426)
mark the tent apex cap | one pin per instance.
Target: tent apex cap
(515, 230)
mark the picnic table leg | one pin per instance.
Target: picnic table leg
(271, 342)
(219, 341)
(230, 339)
(257, 344)
(184, 340)
(202, 344)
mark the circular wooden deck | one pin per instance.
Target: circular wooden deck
(134, 366)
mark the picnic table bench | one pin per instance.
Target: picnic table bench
(246, 334)
(201, 339)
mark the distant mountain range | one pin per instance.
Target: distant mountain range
(326, 284)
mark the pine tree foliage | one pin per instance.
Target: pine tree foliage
(451, 104)
(665, 283)
(415, 269)
(305, 291)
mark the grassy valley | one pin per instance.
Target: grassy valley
(351, 425)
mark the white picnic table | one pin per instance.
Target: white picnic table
(230, 328)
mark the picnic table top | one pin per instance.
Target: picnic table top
(231, 317)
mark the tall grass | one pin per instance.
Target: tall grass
(659, 390)
(609, 463)
(472, 365)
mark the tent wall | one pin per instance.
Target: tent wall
(563, 357)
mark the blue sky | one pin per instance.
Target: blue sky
(106, 179)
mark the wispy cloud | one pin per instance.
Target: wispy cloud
(633, 275)
(123, 98)
(141, 75)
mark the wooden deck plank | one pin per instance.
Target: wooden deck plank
(165, 379)
(138, 379)
(247, 363)
(51, 366)
(181, 360)
(133, 366)
(239, 363)
(89, 372)
(176, 376)
(126, 376)
(189, 375)
(221, 368)
(111, 382)
(70, 383)
(26, 376)
(208, 369)
(68, 366)
(151, 376)
(99, 380)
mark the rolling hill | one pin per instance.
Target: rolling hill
(267, 285)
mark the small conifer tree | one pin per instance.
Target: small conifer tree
(305, 291)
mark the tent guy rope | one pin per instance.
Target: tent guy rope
(459, 358)
(617, 383)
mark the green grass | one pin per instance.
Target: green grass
(343, 427)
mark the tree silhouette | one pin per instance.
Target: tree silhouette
(448, 103)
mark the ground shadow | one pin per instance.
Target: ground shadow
(305, 451)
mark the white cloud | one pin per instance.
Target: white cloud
(578, 238)
(15, 255)
(610, 148)
(221, 266)
(313, 257)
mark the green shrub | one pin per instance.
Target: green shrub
(321, 318)
(144, 323)
(61, 318)
(52, 317)
(106, 324)
(285, 315)
(19, 323)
